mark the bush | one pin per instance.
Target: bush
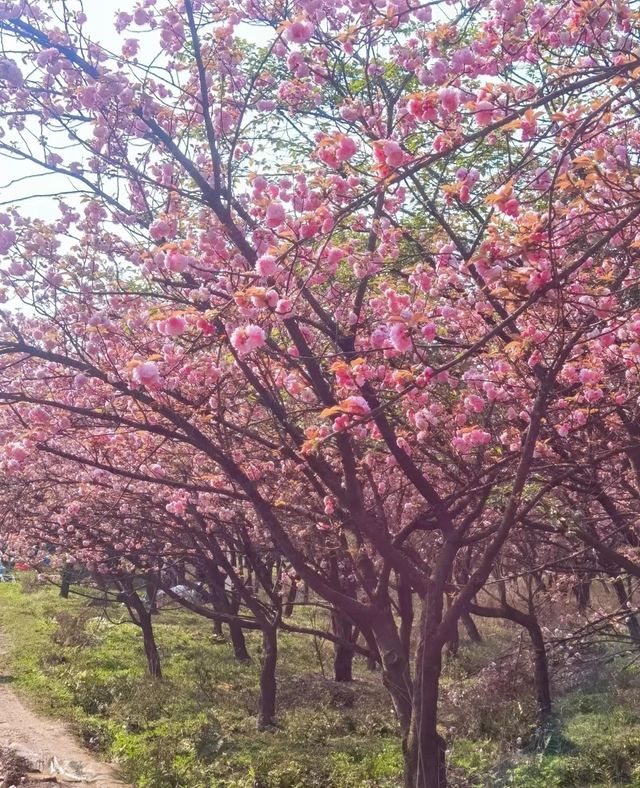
(29, 583)
(96, 733)
(95, 691)
(502, 698)
(146, 702)
(471, 761)
(318, 725)
(71, 629)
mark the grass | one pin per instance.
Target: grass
(197, 727)
(596, 740)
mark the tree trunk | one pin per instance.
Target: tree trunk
(424, 758)
(217, 629)
(541, 668)
(65, 581)
(425, 763)
(582, 591)
(540, 662)
(150, 647)
(181, 573)
(239, 643)
(634, 629)
(453, 644)
(235, 630)
(472, 630)
(396, 674)
(222, 604)
(291, 598)
(631, 620)
(151, 594)
(267, 705)
(343, 655)
(453, 641)
(141, 617)
(405, 605)
(373, 659)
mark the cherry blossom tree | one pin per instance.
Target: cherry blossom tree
(349, 274)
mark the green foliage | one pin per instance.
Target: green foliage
(599, 745)
(197, 727)
(359, 767)
(471, 760)
(170, 752)
(28, 583)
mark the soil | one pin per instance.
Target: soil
(35, 751)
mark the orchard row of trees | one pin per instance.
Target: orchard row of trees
(339, 294)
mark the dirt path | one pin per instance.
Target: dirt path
(46, 745)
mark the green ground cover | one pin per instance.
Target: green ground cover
(197, 727)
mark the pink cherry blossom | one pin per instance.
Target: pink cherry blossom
(147, 374)
(483, 112)
(10, 10)
(47, 56)
(130, 47)
(18, 452)
(449, 99)
(587, 375)
(266, 265)
(247, 338)
(429, 331)
(399, 337)
(510, 207)
(7, 239)
(393, 153)
(284, 306)
(379, 338)
(474, 403)
(347, 148)
(357, 406)
(10, 73)
(299, 31)
(275, 214)
(479, 437)
(172, 326)
(177, 262)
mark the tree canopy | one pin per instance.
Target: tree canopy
(349, 286)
